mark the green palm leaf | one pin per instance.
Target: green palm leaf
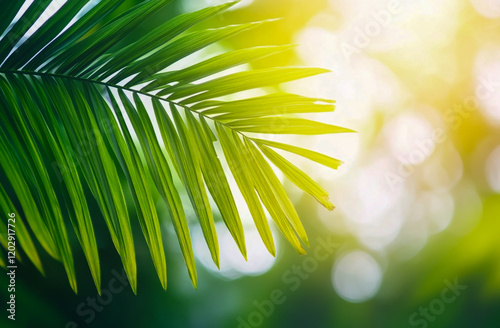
(75, 128)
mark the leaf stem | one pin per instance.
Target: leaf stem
(61, 76)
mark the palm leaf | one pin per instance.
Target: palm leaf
(75, 128)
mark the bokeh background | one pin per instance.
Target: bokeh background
(418, 198)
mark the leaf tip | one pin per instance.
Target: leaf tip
(163, 281)
(74, 286)
(272, 251)
(216, 258)
(194, 278)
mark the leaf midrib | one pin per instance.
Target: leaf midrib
(111, 85)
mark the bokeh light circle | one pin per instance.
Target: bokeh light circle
(493, 169)
(232, 263)
(356, 276)
(487, 8)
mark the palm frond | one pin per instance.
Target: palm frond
(75, 129)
